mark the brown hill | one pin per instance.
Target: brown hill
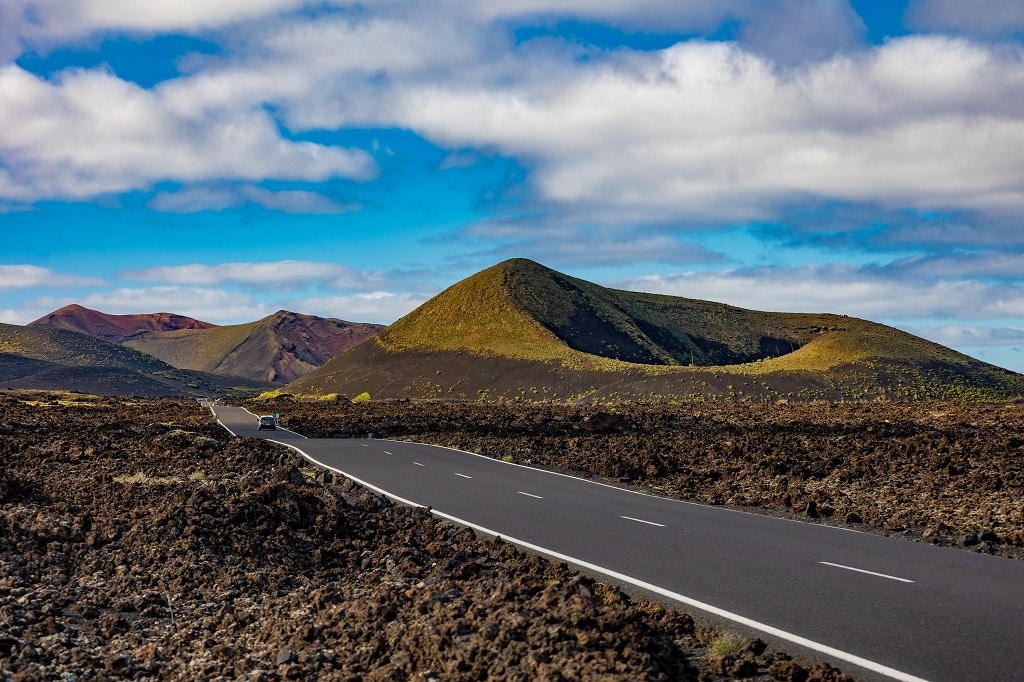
(279, 348)
(114, 328)
(521, 331)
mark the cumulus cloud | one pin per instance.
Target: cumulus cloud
(220, 197)
(713, 132)
(29, 276)
(90, 133)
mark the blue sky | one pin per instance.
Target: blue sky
(228, 159)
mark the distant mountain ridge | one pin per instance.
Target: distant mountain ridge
(521, 331)
(279, 348)
(114, 328)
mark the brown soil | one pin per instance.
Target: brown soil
(950, 474)
(138, 540)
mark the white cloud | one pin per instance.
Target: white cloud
(697, 133)
(294, 272)
(709, 131)
(219, 198)
(89, 133)
(29, 276)
(840, 289)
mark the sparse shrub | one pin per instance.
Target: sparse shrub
(361, 398)
(728, 644)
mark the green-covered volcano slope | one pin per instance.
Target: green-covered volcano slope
(521, 331)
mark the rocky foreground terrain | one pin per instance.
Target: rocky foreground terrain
(139, 541)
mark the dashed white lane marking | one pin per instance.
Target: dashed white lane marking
(861, 570)
(530, 495)
(463, 475)
(418, 464)
(385, 452)
(649, 523)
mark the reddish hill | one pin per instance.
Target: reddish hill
(278, 348)
(115, 328)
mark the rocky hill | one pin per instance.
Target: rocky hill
(114, 328)
(521, 331)
(279, 348)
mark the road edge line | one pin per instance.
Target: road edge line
(675, 596)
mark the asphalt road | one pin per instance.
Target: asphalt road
(876, 607)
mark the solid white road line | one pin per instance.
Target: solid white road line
(530, 495)
(861, 570)
(649, 523)
(675, 596)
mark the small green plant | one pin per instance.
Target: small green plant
(144, 479)
(728, 644)
(197, 476)
(361, 398)
(507, 458)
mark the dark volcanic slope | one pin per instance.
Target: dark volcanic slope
(519, 330)
(114, 328)
(278, 348)
(43, 358)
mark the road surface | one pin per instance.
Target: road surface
(877, 607)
